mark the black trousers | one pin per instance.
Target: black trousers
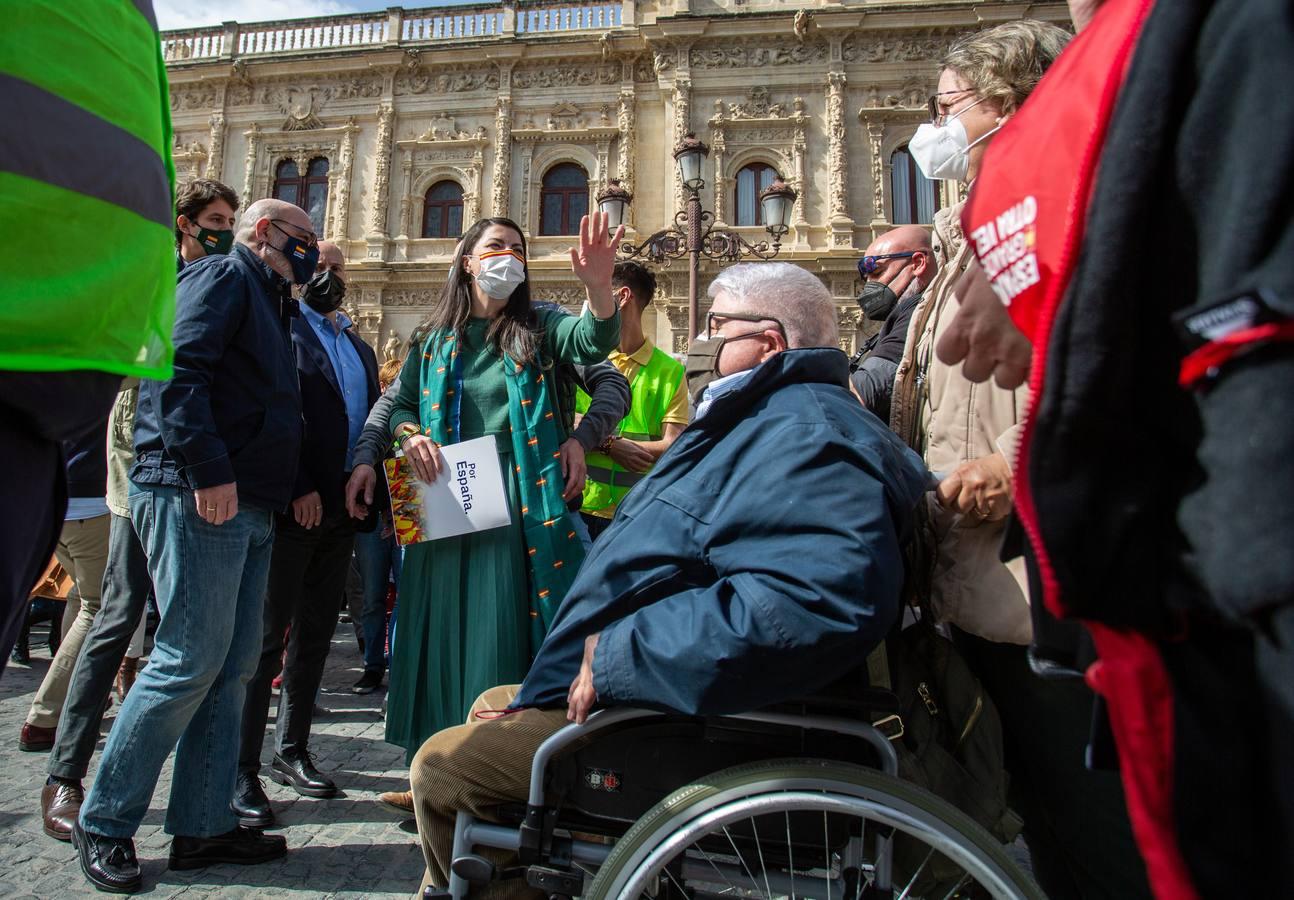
(1233, 754)
(126, 586)
(34, 497)
(1075, 820)
(38, 410)
(596, 524)
(306, 587)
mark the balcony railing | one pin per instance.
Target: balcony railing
(395, 27)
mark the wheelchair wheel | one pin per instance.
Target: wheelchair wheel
(804, 828)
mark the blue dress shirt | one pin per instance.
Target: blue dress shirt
(348, 369)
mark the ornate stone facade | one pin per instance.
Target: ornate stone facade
(823, 91)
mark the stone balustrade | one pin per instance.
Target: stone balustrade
(394, 27)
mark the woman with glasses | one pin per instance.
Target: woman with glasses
(1074, 819)
(474, 608)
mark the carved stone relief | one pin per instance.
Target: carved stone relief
(281, 93)
(408, 298)
(565, 76)
(301, 106)
(421, 81)
(739, 55)
(877, 48)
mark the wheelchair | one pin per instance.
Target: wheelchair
(802, 800)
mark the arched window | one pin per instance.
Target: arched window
(913, 196)
(564, 199)
(750, 181)
(309, 192)
(442, 211)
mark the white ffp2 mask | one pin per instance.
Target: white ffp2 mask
(942, 152)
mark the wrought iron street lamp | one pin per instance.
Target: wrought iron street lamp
(693, 232)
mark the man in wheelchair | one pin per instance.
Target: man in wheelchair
(758, 562)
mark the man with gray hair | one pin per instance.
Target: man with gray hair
(216, 451)
(757, 562)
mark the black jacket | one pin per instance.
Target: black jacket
(1153, 500)
(232, 410)
(327, 430)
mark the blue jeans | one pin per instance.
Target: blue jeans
(210, 586)
(374, 554)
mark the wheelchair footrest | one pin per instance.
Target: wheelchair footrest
(473, 869)
(555, 881)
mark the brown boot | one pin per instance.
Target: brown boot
(126, 676)
(397, 801)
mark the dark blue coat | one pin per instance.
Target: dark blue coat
(232, 410)
(327, 429)
(758, 561)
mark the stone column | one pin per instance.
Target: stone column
(406, 202)
(341, 221)
(799, 155)
(842, 225)
(377, 229)
(527, 157)
(502, 155)
(682, 125)
(875, 134)
(216, 156)
(249, 166)
(626, 150)
(718, 147)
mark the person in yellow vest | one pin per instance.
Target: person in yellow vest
(657, 412)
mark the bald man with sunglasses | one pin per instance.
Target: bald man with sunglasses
(896, 269)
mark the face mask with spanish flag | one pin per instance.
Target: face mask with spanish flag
(501, 272)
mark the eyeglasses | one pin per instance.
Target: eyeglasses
(310, 239)
(710, 327)
(869, 264)
(933, 105)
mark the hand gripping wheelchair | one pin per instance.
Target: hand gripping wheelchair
(796, 801)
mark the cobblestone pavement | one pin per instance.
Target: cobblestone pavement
(346, 847)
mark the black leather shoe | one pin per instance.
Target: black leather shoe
(250, 804)
(368, 683)
(299, 773)
(108, 862)
(243, 847)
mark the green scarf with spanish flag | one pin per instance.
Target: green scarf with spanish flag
(553, 550)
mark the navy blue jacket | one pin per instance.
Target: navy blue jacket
(327, 430)
(757, 562)
(232, 410)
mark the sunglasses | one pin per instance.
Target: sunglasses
(869, 264)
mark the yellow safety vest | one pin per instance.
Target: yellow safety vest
(87, 264)
(652, 390)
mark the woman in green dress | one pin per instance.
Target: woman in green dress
(474, 608)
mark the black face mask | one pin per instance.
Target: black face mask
(214, 242)
(877, 301)
(325, 292)
(702, 366)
